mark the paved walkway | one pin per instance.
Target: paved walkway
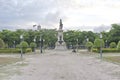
(64, 65)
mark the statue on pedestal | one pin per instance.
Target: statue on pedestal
(60, 44)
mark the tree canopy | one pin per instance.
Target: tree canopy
(71, 37)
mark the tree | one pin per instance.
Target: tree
(6, 36)
(113, 45)
(33, 45)
(89, 45)
(24, 46)
(98, 43)
(2, 44)
(114, 34)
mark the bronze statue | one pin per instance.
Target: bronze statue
(61, 25)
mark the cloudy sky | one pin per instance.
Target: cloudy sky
(76, 14)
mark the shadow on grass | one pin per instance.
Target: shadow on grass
(113, 59)
(8, 60)
(9, 66)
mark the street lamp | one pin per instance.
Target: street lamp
(41, 44)
(77, 45)
(106, 43)
(14, 43)
(21, 38)
(87, 39)
(101, 46)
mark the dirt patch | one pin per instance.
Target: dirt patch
(114, 59)
(8, 60)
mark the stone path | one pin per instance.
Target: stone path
(64, 65)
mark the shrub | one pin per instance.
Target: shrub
(14, 50)
(10, 50)
(106, 50)
(2, 44)
(113, 45)
(94, 50)
(28, 50)
(89, 45)
(98, 43)
(33, 45)
(24, 46)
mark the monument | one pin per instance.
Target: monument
(60, 44)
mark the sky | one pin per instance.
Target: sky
(94, 15)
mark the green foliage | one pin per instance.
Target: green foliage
(89, 45)
(71, 37)
(18, 46)
(10, 50)
(95, 50)
(24, 45)
(12, 38)
(28, 50)
(14, 50)
(33, 46)
(6, 45)
(118, 45)
(106, 50)
(98, 43)
(114, 34)
(113, 45)
(2, 44)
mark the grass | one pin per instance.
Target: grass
(9, 70)
(8, 60)
(114, 59)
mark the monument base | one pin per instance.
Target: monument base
(61, 46)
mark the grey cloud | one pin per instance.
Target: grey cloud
(102, 28)
(45, 12)
(17, 11)
(8, 27)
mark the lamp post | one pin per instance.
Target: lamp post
(77, 45)
(87, 39)
(101, 46)
(106, 43)
(14, 43)
(41, 43)
(21, 38)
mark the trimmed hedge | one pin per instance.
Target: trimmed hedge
(28, 50)
(14, 50)
(10, 50)
(94, 50)
(106, 50)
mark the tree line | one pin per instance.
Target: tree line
(71, 37)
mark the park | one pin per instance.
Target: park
(59, 39)
(55, 54)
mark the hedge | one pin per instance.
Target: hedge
(28, 50)
(106, 50)
(14, 50)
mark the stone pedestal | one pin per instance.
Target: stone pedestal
(60, 46)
